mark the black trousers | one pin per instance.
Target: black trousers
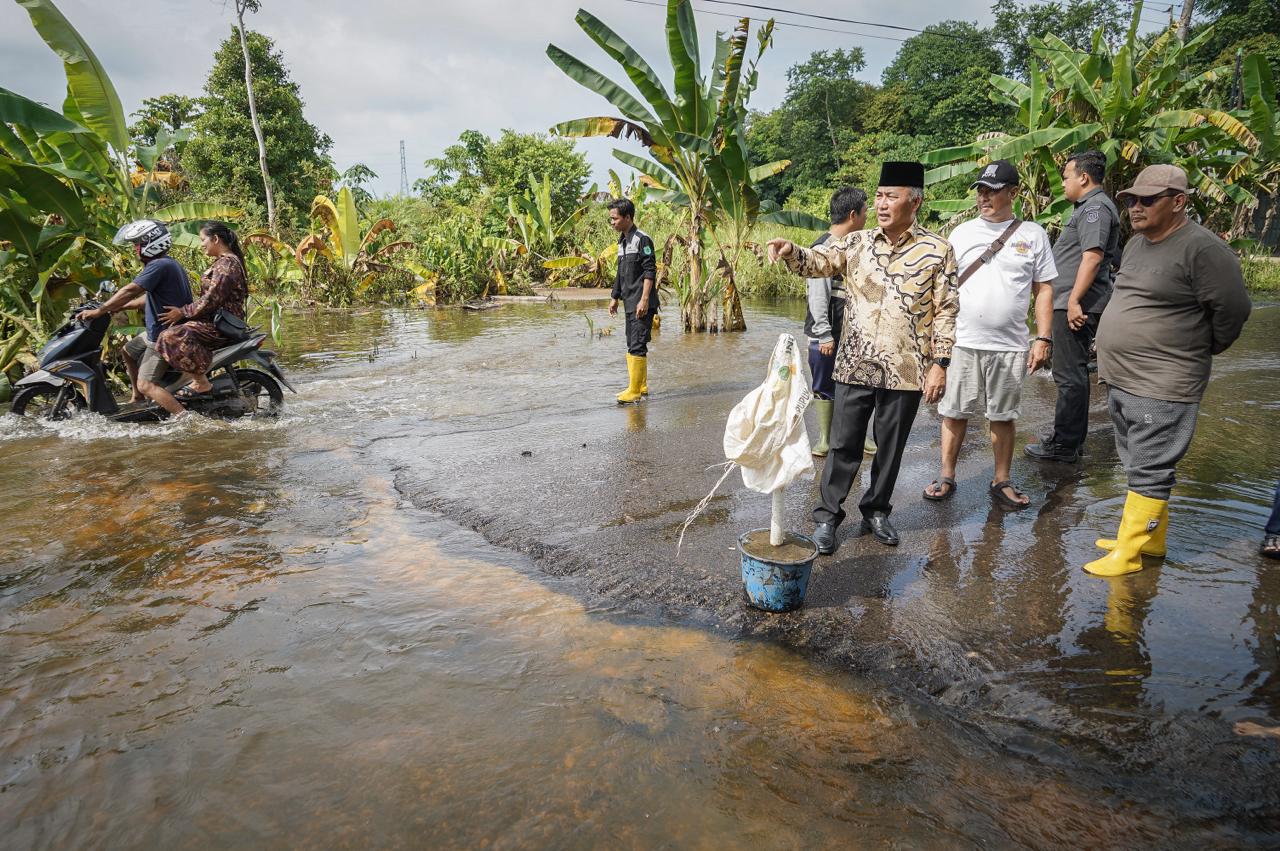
(639, 332)
(1071, 374)
(895, 412)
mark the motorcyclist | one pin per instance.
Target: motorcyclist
(162, 282)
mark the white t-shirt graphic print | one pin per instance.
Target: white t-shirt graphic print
(995, 299)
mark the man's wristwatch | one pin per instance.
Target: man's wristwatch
(942, 362)
(1043, 340)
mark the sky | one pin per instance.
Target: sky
(375, 72)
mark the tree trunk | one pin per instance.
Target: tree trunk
(1184, 23)
(1241, 222)
(257, 126)
(694, 311)
(732, 305)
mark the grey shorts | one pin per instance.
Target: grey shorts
(977, 378)
(151, 367)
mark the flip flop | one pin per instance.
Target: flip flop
(1270, 546)
(186, 394)
(944, 481)
(997, 494)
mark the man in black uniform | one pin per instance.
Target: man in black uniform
(1086, 254)
(636, 287)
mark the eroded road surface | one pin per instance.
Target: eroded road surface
(439, 604)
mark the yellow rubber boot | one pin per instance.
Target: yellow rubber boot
(1138, 524)
(1158, 546)
(644, 375)
(825, 408)
(636, 373)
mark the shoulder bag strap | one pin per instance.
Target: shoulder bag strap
(992, 251)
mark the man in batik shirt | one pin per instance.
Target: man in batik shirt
(900, 283)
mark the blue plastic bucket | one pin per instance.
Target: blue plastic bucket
(775, 586)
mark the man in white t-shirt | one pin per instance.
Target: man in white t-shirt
(991, 355)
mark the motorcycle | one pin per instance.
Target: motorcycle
(71, 377)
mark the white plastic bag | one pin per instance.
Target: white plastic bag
(765, 435)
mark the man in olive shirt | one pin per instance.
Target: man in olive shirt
(1179, 300)
(1085, 254)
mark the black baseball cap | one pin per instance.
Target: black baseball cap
(997, 175)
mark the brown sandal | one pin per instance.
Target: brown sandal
(997, 494)
(940, 483)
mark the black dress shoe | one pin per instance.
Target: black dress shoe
(824, 535)
(1052, 452)
(878, 524)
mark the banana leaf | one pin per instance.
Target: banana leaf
(946, 155)
(41, 190)
(16, 109)
(1188, 118)
(761, 172)
(640, 73)
(205, 211)
(570, 262)
(19, 230)
(794, 219)
(87, 82)
(601, 85)
(583, 128)
(682, 45)
(946, 172)
(1015, 93)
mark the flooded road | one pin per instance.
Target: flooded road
(438, 604)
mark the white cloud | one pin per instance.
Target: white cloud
(373, 73)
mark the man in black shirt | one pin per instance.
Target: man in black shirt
(1086, 254)
(636, 287)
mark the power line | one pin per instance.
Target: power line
(778, 23)
(835, 19)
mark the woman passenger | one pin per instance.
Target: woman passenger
(191, 338)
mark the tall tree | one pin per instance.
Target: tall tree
(164, 113)
(221, 160)
(820, 117)
(1074, 22)
(243, 6)
(490, 171)
(942, 79)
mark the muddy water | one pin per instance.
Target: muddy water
(246, 634)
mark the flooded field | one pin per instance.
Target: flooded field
(438, 604)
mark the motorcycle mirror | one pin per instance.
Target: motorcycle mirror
(107, 287)
(84, 293)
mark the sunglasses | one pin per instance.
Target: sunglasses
(1147, 200)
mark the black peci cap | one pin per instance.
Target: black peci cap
(899, 173)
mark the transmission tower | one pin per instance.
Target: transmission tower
(404, 175)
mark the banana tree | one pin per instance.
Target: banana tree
(533, 218)
(156, 167)
(695, 141)
(1136, 103)
(65, 188)
(592, 265)
(344, 244)
(1262, 167)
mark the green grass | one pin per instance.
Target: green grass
(1262, 275)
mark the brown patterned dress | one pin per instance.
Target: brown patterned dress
(188, 346)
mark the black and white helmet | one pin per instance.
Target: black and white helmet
(151, 237)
